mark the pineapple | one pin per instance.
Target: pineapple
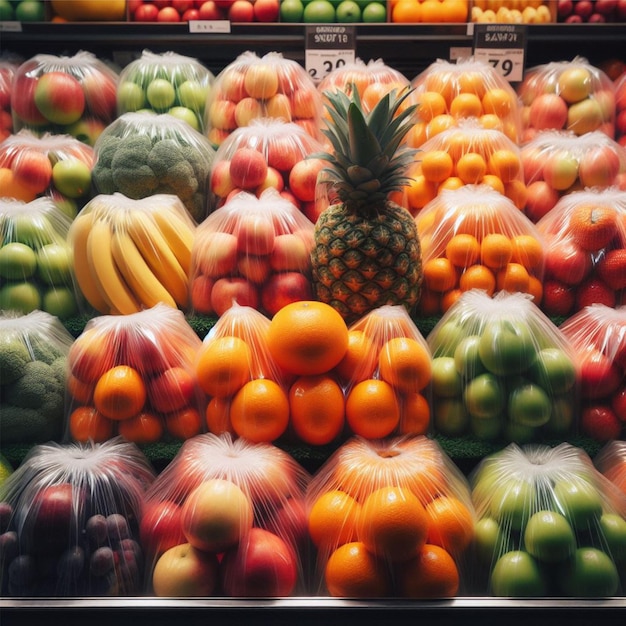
(367, 252)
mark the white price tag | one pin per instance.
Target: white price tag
(328, 47)
(502, 46)
(209, 26)
(11, 26)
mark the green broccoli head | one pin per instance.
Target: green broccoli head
(130, 171)
(43, 349)
(20, 425)
(14, 356)
(34, 389)
(200, 161)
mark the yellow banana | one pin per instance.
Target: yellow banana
(105, 273)
(77, 237)
(179, 235)
(136, 273)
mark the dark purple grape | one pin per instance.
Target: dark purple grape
(6, 514)
(102, 561)
(117, 528)
(9, 547)
(96, 529)
(72, 562)
(22, 574)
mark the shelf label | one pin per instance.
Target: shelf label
(327, 48)
(209, 26)
(11, 26)
(503, 46)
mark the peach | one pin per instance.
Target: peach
(261, 81)
(278, 107)
(599, 167)
(255, 234)
(283, 153)
(247, 110)
(548, 111)
(255, 268)
(222, 114)
(248, 168)
(232, 85)
(540, 198)
(304, 104)
(273, 180)
(290, 253)
(34, 169)
(221, 182)
(303, 178)
(216, 253)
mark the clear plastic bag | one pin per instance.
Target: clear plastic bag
(133, 376)
(141, 154)
(585, 251)
(597, 335)
(610, 461)
(473, 237)
(254, 251)
(165, 82)
(544, 529)
(73, 95)
(620, 109)
(130, 255)
(501, 370)
(255, 86)
(34, 354)
(8, 65)
(226, 517)
(389, 518)
(71, 515)
(36, 264)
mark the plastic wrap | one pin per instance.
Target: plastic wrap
(557, 163)
(473, 237)
(286, 164)
(73, 95)
(501, 370)
(130, 255)
(70, 521)
(165, 83)
(226, 518)
(620, 109)
(597, 335)
(33, 353)
(569, 95)
(133, 376)
(143, 153)
(255, 86)
(254, 251)
(466, 153)
(8, 66)
(549, 524)
(36, 265)
(389, 518)
(447, 91)
(610, 461)
(585, 251)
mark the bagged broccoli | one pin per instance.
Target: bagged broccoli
(133, 376)
(389, 518)
(501, 370)
(610, 461)
(67, 95)
(546, 520)
(141, 154)
(165, 83)
(597, 335)
(475, 238)
(33, 361)
(234, 511)
(70, 523)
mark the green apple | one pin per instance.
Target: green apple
(54, 264)
(72, 177)
(511, 502)
(161, 94)
(445, 379)
(561, 416)
(374, 12)
(318, 11)
(445, 337)
(60, 302)
(579, 500)
(486, 429)
(130, 97)
(517, 574)
(485, 396)
(348, 11)
(554, 370)
(466, 357)
(506, 347)
(186, 115)
(613, 528)
(23, 297)
(489, 540)
(34, 230)
(17, 261)
(591, 573)
(529, 405)
(450, 417)
(291, 11)
(519, 433)
(193, 95)
(549, 537)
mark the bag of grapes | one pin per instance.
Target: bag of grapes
(501, 370)
(610, 460)
(474, 237)
(70, 521)
(226, 517)
(133, 375)
(597, 336)
(548, 525)
(33, 366)
(388, 518)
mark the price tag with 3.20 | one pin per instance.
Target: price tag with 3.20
(320, 63)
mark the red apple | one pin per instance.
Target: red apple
(34, 169)
(59, 97)
(218, 255)
(273, 180)
(100, 95)
(583, 8)
(605, 7)
(248, 168)
(189, 15)
(289, 521)
(540, 198)
(246, 110)
(23, 100)
(210, 10)
(599, 376)
(221, 182)
(548, 110)
(255, 234)
(283, 153)
(222, 114)
(241, 11)
(146, 13)
(283, 288)
(290, 253)
(303, 178)
(564, 8)
(201, 288)
(567, 262)
(172, 389)
(266, 10)
(161, 527)
(182, 5)
(229, 291)
(621, 10)
(600, 423)
(255, 268)
(168, 14)
(598, 167)
(618, 402)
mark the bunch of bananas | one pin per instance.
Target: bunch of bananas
(130, 255)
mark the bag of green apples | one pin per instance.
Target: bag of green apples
(70, 518)
(388, 518)
(33, 369)
(226, 517)
(501, 370)
(549, 524)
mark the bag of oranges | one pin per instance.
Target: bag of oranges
(611, 462)
(133, 375)
(548, 524)
(389, 518)
(226, 517)
(70, 521)
(501, 370)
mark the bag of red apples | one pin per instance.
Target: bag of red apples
(226, 517)
(133, 375)
(389, 518)
(69, 521)
(597, 336)
(611, 462)
(8, 65)
(549, 524)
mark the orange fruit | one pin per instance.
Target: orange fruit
(513, 278)
(471, 167)
(80, 391)
(217, 415)
(429, 302)
(259, 411)
(430, 105)
(494, 182)
(307, 337)
(535, 289)
(420, 192)
(449, 298)
(517, 192)
(433, 573)
(452, 182)
(454, 11)
(372, 409)
(491, 121)
(440, 123)
(527, 250)
(416, 135)
(432, 11)
(359, 360)
(463, 250)
(393, 523)
(439, 274)
(141, 429)
(406, 12)
(471, 82)
(223, 365)
(317, 409)
(332, 519)
(478, 277)
(466, 105)
(414, 414)
(184, 424)
(353, 572)
(498, 101)
(436, 165)
(88, 424)
(120, 393)
(451, 524)
(495, 250)
(505, 164)
(405, 364)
